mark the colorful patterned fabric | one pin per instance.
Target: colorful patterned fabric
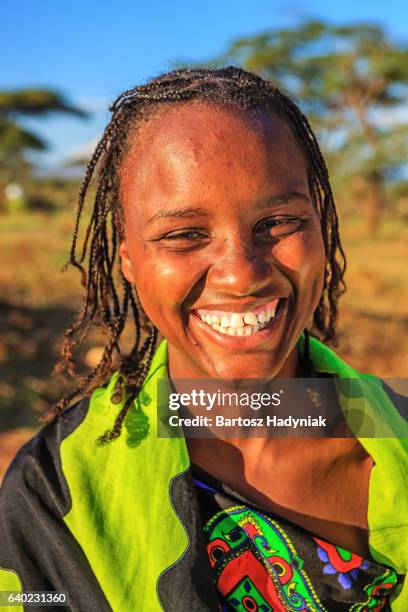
(262, 563)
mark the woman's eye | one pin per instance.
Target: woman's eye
(279, 227)
(190, 234)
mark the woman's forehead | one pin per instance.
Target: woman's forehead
(201, 146)
(201, 122)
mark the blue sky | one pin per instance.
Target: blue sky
(92, 50)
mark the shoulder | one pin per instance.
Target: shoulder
(36, 471)
(399, 400)
(38, 551)
(361, 392)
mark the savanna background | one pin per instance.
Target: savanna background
(345, 63)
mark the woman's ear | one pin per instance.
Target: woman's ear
(126, 265)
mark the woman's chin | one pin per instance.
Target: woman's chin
(254, 366)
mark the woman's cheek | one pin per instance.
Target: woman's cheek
(162, 285)
(157, 281)
(301, 256)
(302, 252)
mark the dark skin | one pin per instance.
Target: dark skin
(219, 217)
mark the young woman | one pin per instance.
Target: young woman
(212, 195)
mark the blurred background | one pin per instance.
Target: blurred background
(346, 63)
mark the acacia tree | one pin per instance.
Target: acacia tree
(15, 140)
(352, 81)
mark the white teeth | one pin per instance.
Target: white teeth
(225, 321)
(239, 324)
(237, 321)
(250, 318)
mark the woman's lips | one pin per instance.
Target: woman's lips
(241, 329)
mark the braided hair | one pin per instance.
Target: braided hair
(110, 299)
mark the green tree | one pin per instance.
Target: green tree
(15, 140)
(352, 81)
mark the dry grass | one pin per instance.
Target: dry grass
(374, 313)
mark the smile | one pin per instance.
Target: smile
(240, 323)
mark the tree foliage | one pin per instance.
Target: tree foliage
(15, 139)
(352, 81)
(36, 102)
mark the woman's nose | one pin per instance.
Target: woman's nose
(239, 269)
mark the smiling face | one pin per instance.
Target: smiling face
(222, 241)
